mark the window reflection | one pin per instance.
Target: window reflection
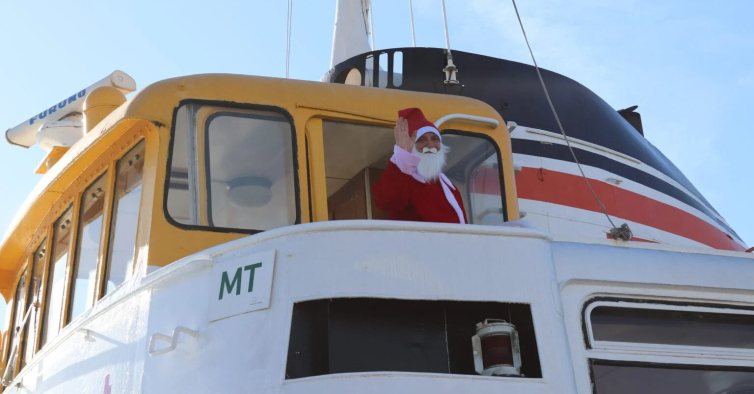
(250, 176)
(87, 252)
(35, 296)
(125, 218)
(61, 241)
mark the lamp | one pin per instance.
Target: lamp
(496, 349)
(249, 191)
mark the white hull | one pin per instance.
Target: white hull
(106, 350)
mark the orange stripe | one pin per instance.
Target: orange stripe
(570, 190)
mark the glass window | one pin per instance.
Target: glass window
(35, 296)
(178, 194)
(249, 177)
(53, 308)
(610, 378)
(250, 170)
(474, 167)
(356, 155)
(87, 252)
(19, 310)
(673, 327)
(125, 217)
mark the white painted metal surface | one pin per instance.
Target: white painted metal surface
(351, 34)
(247, 352)
(25, 133)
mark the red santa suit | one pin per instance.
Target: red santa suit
(408, 196)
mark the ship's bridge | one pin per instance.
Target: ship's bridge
(194, 162)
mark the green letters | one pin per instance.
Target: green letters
(228, 285)
(251, 269)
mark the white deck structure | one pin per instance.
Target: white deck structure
(108, 349)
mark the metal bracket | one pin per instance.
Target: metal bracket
(172, 340)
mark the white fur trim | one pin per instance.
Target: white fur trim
(446, 186)
(427, 129)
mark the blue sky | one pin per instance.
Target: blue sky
(687, 64)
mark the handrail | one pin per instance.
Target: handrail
(172, 340)
(481, 119)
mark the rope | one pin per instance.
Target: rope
(288, 40)
(619, 233)
(413, 34)
(447, 38)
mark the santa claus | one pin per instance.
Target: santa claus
(413, 186)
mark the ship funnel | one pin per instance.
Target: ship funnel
(25, 133)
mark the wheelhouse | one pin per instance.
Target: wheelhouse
(194, 162)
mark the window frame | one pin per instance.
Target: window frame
(43, 320)
(108, 217)
(105, 230)
(647, 364)
(25, 268)
(662, 349)
(229, 106)
(659, 356)
(47, 241)
(465, 133)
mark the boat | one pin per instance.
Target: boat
(217, 233)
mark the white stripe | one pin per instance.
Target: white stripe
(446, 185)
(536, 162)
(573, 224)
(427, 129)
(532, 134)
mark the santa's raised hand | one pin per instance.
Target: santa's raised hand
(402, 137)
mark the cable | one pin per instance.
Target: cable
(288, 40)
(413, 34)
(447, 38)
(623, 232)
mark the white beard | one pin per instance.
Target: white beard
(432, 161)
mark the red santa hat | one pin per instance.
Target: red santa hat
(417, 123)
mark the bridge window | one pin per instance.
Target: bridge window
(357, 154)
(619, 324)
(53, 307)
(125, 218)
(238, 173)
(87, 253)
(693, 348)
(28, 348)
(19, 310)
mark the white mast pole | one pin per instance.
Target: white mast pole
(413, 34)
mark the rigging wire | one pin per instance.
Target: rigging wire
(623, 232)
(413, 34)
(288, 40)
(447, 38)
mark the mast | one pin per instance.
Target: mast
(351, 33)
